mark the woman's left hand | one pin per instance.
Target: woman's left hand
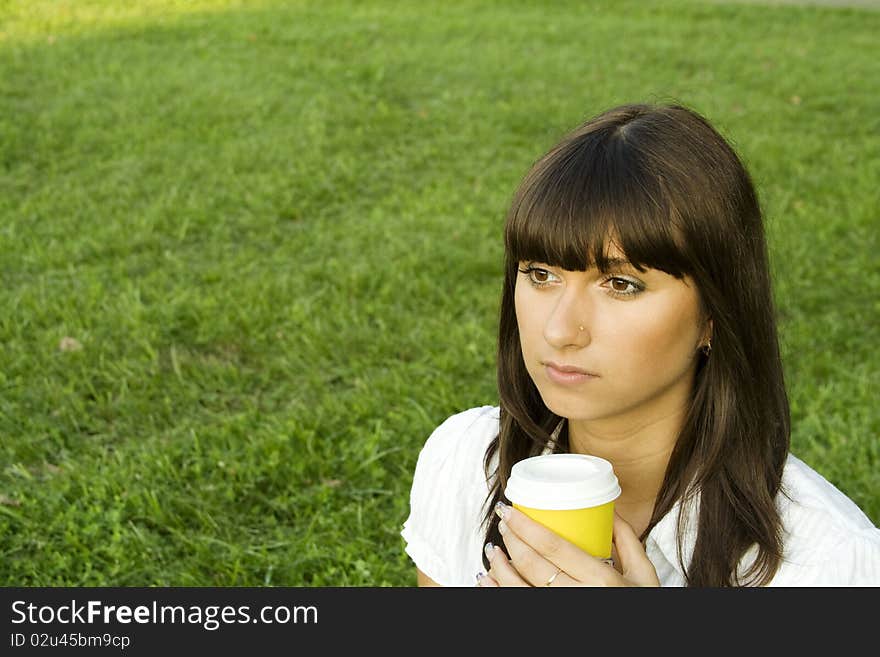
(540, 557)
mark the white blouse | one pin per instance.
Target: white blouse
(827, 539)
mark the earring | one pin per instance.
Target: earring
(581, 327)
(707, 348)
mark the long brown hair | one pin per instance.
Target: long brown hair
(673, 195)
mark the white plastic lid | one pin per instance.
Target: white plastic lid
(562, 481)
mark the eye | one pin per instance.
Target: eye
(623, 287)
(538, 276)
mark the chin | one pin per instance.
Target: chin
(568, 409)
(573, 409)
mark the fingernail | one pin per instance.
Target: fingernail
(480, 575)
(489, 549)
(502, 510)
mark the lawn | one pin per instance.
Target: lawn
(251, 255)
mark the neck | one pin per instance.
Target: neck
(639, 453)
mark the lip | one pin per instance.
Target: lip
(567, 374)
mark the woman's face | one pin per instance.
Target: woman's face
(619, 348)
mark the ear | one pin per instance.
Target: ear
(706, 333)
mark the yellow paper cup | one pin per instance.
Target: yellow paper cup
(571, 494)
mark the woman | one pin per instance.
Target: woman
(637, 324)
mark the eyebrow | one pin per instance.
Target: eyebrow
(624, 263)
(616, 263)
(620, 262)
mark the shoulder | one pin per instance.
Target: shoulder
(808, 494)
(462, 435)
(827, 538)
(453, 459)
(443, 533)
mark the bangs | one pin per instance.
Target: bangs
(589, 197)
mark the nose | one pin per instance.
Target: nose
(569, 323)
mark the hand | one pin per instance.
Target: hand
(539, 556)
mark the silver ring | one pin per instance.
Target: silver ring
(552, 577)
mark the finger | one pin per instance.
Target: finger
(529, 563)
(615, 559)
(485, 580)
(551, 547)
(631, 556)
(502, 571)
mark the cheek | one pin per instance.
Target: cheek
(527, 320)
(522, 325)
(669, 343)
(660, 343)
(519, 305)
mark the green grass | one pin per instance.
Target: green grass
(273, 230)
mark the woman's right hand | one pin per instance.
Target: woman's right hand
(540, 557)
